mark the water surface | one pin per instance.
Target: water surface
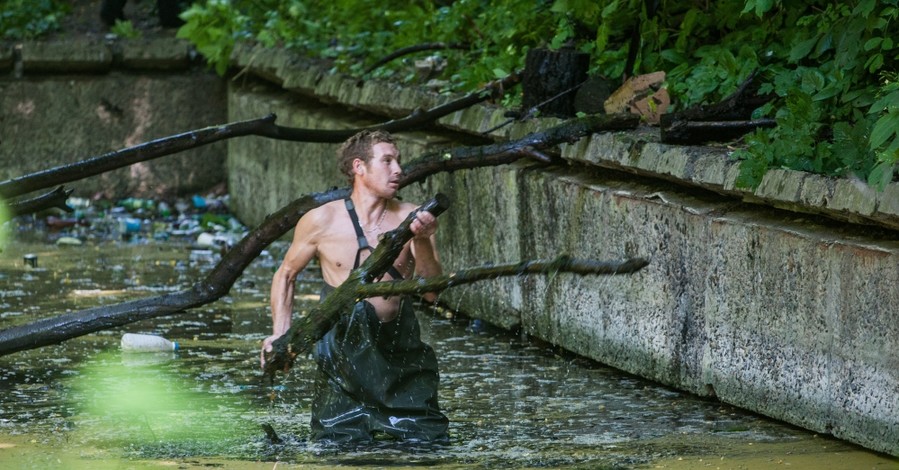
(512, 401)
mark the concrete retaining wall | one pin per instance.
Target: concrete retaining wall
(64, 102)
(781, 312)
(751, 296)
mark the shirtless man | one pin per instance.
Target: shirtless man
(375, 374)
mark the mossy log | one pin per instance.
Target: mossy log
(309, 329)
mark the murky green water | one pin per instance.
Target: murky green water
(511, 402)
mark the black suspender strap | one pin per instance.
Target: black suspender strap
(362, 241)
(360, 235)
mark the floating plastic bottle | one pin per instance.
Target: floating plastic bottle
(132, 342)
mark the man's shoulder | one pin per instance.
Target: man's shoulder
(323, 215)
(328, 209)
(405, 207)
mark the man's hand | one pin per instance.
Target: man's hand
(424, 225)
(267, 349)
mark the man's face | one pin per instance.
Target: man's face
(382, 173)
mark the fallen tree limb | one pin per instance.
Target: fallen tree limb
(428, 46)
(264, 126)
(309, 329)
(687, 132)
(723, 121)
(562, 264)
(56, 198)
(219, 280)
(139, 153)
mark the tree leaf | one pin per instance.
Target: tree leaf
(802, 50)
(872, 43)
(881, 175)
(884, 127)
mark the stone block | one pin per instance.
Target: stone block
(853, 196)
(156, 54)
(781, 185)
(888, 205)
(817, 191)
(607, 149)
(711, 170)
(300, 76)
(73, 56)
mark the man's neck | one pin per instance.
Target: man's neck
(369, 208)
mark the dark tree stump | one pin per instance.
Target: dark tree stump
(550, 81)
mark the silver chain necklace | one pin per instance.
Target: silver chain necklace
(377, 225)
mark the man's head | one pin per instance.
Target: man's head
(360, 146)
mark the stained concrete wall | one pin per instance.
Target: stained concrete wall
(64, 102)
(778, 311)
(750, 295)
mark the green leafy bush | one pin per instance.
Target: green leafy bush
(28, 19)
(831, 66)
(125, 29)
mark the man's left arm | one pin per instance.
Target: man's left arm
(424, 249)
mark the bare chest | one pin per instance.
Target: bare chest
(340, 251)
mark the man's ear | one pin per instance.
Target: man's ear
(358, 166)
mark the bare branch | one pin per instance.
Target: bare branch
(56, 198)
(263, 126)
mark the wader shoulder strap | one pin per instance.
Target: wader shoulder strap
(363, 242)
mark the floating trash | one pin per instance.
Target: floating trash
(30, 260)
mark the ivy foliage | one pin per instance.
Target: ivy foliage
(832, 66)
(29, 19)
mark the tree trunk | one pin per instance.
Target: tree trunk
(551, 79)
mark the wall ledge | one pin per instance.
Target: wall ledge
(639, 152)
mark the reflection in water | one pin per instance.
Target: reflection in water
(511, 402)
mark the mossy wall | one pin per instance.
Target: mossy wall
(780, 300)
(61, 103)
(782, 312)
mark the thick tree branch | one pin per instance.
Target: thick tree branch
(226, 272)
(429, 46)
(562, 264)
(56, 198)
(309, 329)
(264, 126)
(139, 153)
(314, 325)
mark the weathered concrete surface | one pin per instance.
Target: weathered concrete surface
(80, 103)
(74, 56)
(762, 308)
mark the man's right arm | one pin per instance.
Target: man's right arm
(300, 253)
